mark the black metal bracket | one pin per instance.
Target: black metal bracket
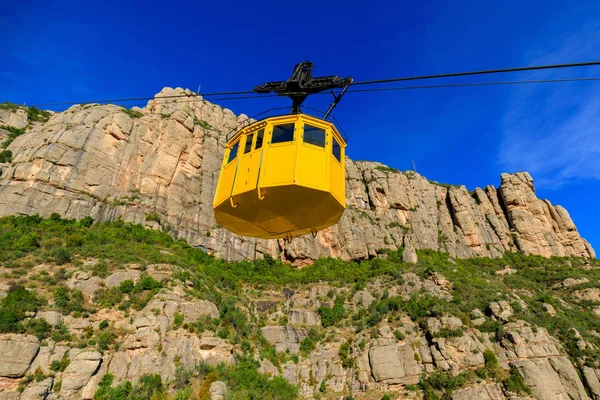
(302, 84)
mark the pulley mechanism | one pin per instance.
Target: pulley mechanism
(302, 84)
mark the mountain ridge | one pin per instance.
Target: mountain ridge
(158, 166)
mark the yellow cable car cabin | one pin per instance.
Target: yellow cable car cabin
(282, 177)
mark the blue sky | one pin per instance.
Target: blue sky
(72, 51)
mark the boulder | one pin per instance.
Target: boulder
(363, 298)
(193, 310)
(549, 309)
(501, 310)
(115, 279)
(52, 317)
(284, 337)
(489, 391)
(37, 390)
(16, 354)
(79, 371)
(393, 363)
(551, 378)
(303, 317)
(218, 390)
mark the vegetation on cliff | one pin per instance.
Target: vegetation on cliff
(529, 286)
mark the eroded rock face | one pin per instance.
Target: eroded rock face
(284, 337)
(98, 161)
(79, 371)
(392, 363)
(16, 354)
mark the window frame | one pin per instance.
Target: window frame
(333, 143)
(236, 147)
(293, 124)
(246, 149)
(318, 128)
(259, 134)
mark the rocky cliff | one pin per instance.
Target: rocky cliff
(163, 160)
(109, 310)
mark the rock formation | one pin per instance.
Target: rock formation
(163, 160)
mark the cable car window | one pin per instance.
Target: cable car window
(259, 139)
(248, 146)
(233, 152)
(336, 149)
(283, 133)
(314, 135)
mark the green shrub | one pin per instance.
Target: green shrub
(35, 114)
(13, 133)
(6, 156)
(399, 335)
(126, 286)
(344, 353)
(86, 221)
(60, 366)
(108, 297)
(132, 113)
(153, 217)
(177, 320)
(515, 382)
(39, 327)
(105, 339)
(331, 316)
(146, 282)
(61, 255)
(68, 301)
(182, 377)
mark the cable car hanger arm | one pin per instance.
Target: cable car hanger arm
(302, 84)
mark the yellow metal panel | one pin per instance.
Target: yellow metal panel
(247, 172)
(226, 179)
(337, 178)
(278, 162)
(311, 166)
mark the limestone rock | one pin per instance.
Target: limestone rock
(363, 298)
(490, 391)
(37, 390)
(193, 310)
(549, 309)
(571, 282)
(97, 161)
(551, 378)
(267, 368)
(121, 276)
(16, 119)
(79, 371)
(284, 337)
(501, 310)
(16, 354)
(303, 317)
(521, 341)
(392, 363)
(218, 390)
(506, 271)
(592, 382)
(52, 317)
(588, 294)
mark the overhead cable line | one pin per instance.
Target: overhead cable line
(65, 103)
(386, 89)
(482, 72)
(253, 94)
